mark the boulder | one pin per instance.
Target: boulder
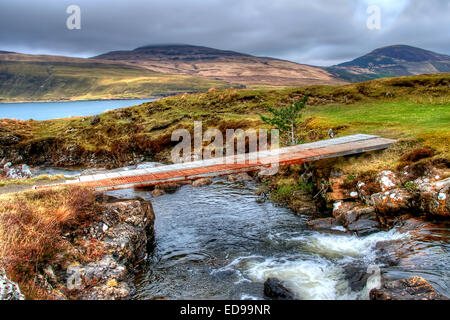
(357, 275)
(413, 288)
(17, 172)
(338, 189)
(274, 288)
(341, 207)
(387, 180)
(95, 120)
(165, 188)
(323, 224)
(8, 289)
(359, 219)
(365, 190)
(392, 202)
(433, 196)
(158, 192)
(239, 177)
(202, 182)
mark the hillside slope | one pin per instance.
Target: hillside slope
(416, 109)
(233, 67)
(49, 78)
(398, 60)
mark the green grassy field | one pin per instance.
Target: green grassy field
(54, 81)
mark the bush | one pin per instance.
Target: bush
(283, 193)
(418, 154)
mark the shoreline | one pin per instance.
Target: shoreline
(154, 98)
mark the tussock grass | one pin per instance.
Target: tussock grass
(7, 182)
(33, 232)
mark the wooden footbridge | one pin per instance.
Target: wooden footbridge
(255, 161)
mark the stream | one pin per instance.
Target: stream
(222, 242)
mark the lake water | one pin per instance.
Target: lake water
(56, 110)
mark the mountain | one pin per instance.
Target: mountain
(229, 66)
(26, 77)
(398, 60)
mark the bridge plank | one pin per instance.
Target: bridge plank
(324, 149)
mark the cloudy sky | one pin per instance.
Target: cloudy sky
(318, 32)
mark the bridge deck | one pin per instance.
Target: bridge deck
(337, 147)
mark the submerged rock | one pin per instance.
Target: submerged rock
(357, 275)
(239, 177)
(323, 224)
(413, 288)
(202, 182)
(274, 288)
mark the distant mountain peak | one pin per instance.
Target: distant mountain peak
(395, 60)
(407, 53)
(236, 68)
(185, 50)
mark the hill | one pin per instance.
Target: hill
(398, 60)
(48, 78)
(229, 66)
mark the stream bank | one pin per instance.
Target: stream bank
(225, 240)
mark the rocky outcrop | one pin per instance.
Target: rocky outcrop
(392, 202)
(424, 197)
(413, 288)
(434, 197)
(122, 237)
(8, 289)
(274, 288)
(15, 172)
(126, 229)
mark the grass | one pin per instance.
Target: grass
(54, 81)
(33, 228)
(30, 181)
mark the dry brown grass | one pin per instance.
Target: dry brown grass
(38, 228)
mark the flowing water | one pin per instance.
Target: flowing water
(222, 242)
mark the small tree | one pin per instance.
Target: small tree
(286, 119)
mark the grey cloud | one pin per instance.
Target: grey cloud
(319, 32)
